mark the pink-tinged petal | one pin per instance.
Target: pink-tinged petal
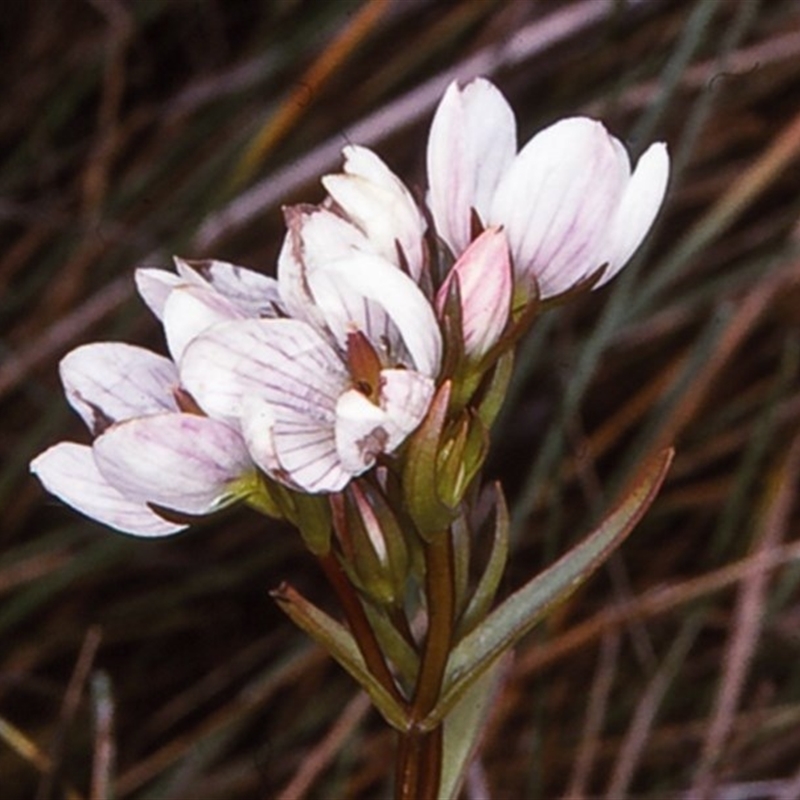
(366, 293)
(251, 292)
(405, 396)
(485, 286)
(472, 142)
(109, 382)
(376, 200)
(279, 380)
(283, 362)
(638, 208)
(557, 201)
(190, 310)
(182, 462)
(315, 236)
(68, 471)
(155, 286)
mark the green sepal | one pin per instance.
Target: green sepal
(337, 641)
(519, 613)
(374, 511)
(451, 472)
(364, 566)
(313, 520)
(493, 392)
(309, 513)
(420, 484)
(452, 330)
(260, 494)
(485, 592)
(376, 557)
(460, 458)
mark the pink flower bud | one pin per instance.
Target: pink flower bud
(485, 285)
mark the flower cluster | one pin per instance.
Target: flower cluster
(308, 380)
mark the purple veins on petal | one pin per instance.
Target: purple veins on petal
(107, 382)
(180, 461)
(69, 471)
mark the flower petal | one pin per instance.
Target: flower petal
(306, 450)
(257, 421)
(108, 382)
(190, 310)
(472, 142)
(155, 286)
(280, 381)
(378, 202)
(364, 429)
(284, 362)
(315, 236)
(485, 286)
(557, 200)
(298, 451)
(405, 396)
(367, 293)
(68, 470)
(361, 431)
(251, 292)
(638, 208)
(180, 461)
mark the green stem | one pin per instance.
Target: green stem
(440, 595)
(419, 760)
(360, 627)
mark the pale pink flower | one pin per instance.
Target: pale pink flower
(319, 397)
(377, 202)
(203, 293)
(568, 201)
(148, 452)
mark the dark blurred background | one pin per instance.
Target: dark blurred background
(130, 131)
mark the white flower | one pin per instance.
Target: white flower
(568, 201)
(147, 452)
(319, 397)
(377, 202)
(202, 294)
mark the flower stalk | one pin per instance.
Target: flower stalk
(420, 765)
(360, 627)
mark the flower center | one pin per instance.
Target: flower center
(365, 365)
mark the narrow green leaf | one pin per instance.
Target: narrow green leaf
(464, 726)
(484, 594)
(340, 644)
(507, 624)
(401, 654)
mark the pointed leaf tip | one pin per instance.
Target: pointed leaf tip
(341, 646)
(520, 612)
